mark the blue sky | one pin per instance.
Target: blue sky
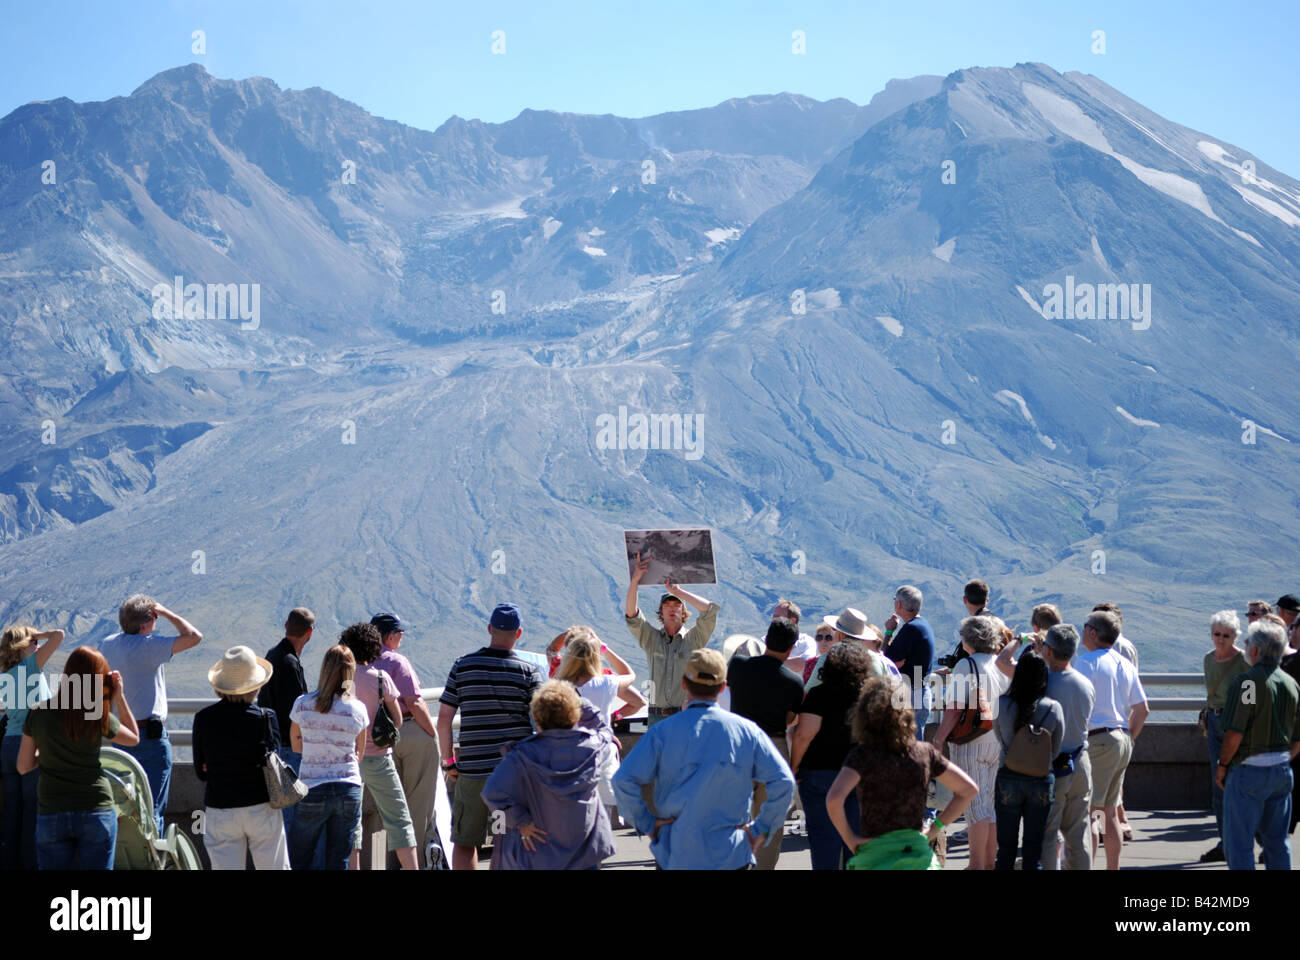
(1230, 74)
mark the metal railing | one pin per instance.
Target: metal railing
(181, 706)
(1175, 680)
(185, 706)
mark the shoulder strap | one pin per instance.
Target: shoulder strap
(266, 724)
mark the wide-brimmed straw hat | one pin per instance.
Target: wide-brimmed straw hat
(851, 622)
(239, 671)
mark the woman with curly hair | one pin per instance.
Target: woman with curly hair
(821, 741)
(378, 770)
(891, 771)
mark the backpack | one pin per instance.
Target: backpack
(1030, 751)
(975, 719)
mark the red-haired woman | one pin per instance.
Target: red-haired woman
(76, 826)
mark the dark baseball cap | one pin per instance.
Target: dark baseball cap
(387, 623)
(505, 617)
(1289, 602)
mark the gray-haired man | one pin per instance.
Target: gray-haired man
(1118, 711)
(912, 649)
(1069, 815)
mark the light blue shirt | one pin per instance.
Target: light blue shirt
(140, 658)
(22, 687)
(703, 763)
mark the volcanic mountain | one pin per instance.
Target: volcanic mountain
(984, 325)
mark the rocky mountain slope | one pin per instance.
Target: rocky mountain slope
(862, 309)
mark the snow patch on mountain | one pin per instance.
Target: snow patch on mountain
(890, 324)
(1074, 123)
(1271, 207)
(1219, 154)
(945, 249)
(1098, 255)
(1136, 421)
(551, 226)
(721, 235)
(1029, 299)
(828, 298)
(593, 251)
(1010, 398)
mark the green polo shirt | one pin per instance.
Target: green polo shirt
(1261, 705)
(667, 655)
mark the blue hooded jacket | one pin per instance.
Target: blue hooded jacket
(550, 779)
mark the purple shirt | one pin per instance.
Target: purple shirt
(401, 672)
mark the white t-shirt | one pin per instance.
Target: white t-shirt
(602, 691)
(1125, 648)
(805, 648)
(329, 740)
(994, 682)
(1116, 684)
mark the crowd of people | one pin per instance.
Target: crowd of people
(863, 735)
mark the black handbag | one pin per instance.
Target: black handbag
(384, 732)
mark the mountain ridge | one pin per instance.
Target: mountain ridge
(385, 430)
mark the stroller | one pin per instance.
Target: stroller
(138, 845)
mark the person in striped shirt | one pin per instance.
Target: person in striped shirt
(492, 689)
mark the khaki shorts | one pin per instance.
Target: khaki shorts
(469, 814)
(1109, 754)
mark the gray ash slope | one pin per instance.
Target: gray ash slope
(475, 430)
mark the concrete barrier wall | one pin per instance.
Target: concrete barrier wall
(1170, 771)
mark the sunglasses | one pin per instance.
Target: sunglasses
(825, 636)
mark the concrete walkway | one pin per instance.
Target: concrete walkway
(1162, 840)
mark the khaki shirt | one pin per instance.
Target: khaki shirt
(667, 656)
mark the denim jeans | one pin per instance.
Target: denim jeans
(1018, 797)
(922, 717)
(1214, 740)
(824, 841)
(334, 810)
(19, 810)
(155, 757)
(82, 840)
(1257, 803)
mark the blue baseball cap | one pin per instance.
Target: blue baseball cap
(505, 617)
(387, 623)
